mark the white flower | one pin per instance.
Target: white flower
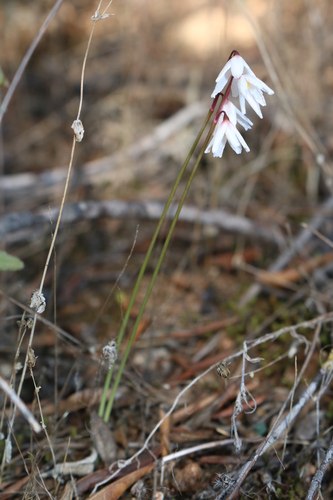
(235, 116)
(236, 67)
(225, 131)
(250, 88)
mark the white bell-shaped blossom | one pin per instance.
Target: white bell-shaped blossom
(225, 131)
(250, 88)
(235, 116)
(236, 67)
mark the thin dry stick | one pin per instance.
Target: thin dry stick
(20, 405)
(32, 361)
(96, 18)
(46, 322)
(22, 331)
(277, 430)
(319, 475)
(26, 59)
(318, 234)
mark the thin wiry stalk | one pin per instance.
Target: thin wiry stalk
(95, 20)
(20, 404)
(41, 414)
(319, 475)
(26, 59)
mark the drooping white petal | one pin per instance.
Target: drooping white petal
(233, 139)
(235, 116)
(230, 110)
(226, 131)
(242, 103)
(224, 70)
(218, 88)
(242, 141)
(244, 93)
(237, 66)
(234, 88)
(243, 120)
(249, 70)
(257, 96)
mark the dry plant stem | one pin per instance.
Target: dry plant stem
(13, 374)
(25, 60)
(277, 430)
(194, 449)
(319, 475)
(20, 405)
(41, 414)
(57, 329)
(52, 244)
(318, 234)
(105, 413)
(41, 289)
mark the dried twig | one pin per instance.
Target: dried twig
(26, 59)
(151, 210)
(319, 475)
(20, 405)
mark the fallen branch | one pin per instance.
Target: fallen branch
(151, 210)
(117, 168)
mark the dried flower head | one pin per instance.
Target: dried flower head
(109, 353)
(78, 128)
(31, 358)
(37, 301)
(223, 369)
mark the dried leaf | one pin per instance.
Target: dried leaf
(282, 278)
(103, 439)
(116, 489)
(79, 468)
(68, 492)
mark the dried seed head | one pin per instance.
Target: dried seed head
(30, 323)
(223, 369)
(38, 302)
(109, 353)
(21, 323)
(77, 126)
(31, 358)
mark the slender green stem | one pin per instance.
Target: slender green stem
(137, 284)
(152, 282)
